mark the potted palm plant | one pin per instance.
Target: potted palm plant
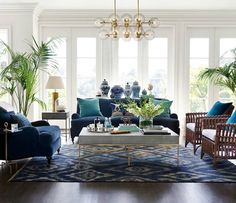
(224, 76)
(20, 79)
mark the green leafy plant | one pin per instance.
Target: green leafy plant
(224, 76)
(20, 79)
(146, 110)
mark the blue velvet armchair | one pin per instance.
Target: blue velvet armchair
(36, 139)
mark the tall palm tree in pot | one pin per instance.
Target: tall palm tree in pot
(20, 78)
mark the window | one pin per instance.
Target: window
(86, 67)
(60, 58)
(199, 59)
(4, 56)
(127, 61)
(226, 57)
(158, 66)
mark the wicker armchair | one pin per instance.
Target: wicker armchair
(194, 127)
(218, 139)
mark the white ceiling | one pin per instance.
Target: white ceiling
(131, 4)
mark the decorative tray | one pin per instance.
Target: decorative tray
(104, 130)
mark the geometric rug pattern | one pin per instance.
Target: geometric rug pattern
(148, 164)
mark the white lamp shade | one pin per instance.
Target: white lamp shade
(55, 82)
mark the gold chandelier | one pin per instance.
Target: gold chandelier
(127, 26)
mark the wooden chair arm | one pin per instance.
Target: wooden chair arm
(225, 138)
(191, 117)
(211, 122)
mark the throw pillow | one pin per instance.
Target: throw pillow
(116, 110)
(21, 120)
(89, 107)
(166, 103)
(232, 119)
(218, 108)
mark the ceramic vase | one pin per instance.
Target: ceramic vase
(135, 89)
(104, 87)
(128, 90)
(116, 92)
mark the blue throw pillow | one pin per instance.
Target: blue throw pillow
(117, 110)
(232, 119)
(21, 120)
(218, 108)
(166, 103)
(89, 107)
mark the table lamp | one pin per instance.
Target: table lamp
(54, 82)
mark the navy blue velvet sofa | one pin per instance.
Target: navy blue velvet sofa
(77, 123)
(39, 139)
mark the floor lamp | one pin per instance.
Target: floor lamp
(54, 82)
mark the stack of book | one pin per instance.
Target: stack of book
(131, 127)
(156, 131)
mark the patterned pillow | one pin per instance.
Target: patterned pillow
(117, 110)
(21, 120)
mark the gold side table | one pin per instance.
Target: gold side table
(7, 162)
(58, 116)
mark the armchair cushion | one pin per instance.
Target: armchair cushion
(209, 133)
(191, 126)
(232, 118)
(218, 108)
(21, 120)
(89, 107)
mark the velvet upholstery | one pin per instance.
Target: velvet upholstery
(29, 141)
(77, 122)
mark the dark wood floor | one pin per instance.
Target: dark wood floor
(25, 192)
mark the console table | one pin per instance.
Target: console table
(58, 116)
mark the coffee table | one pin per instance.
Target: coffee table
(128, 140)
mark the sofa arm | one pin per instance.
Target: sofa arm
(75, 116)
(40, 123)
(23, 143)
(174, 115)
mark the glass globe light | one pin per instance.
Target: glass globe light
(99, 22)
(104, 34)
(154, 22)
(149, 34)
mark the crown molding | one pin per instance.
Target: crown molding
(86, 18)
(15, 8)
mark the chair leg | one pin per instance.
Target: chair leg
(186, 142)
(214, 161)
(49, 158)
(194, 149)
(58, 150)
(202, 154)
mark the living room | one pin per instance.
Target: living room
(189, 37)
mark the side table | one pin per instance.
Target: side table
(58, 116)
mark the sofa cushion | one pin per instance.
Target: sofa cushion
(232, 119)
(218, 108)
(89, 107)
(167, 104)
(21, 120)
(209, 133)
(191, 126)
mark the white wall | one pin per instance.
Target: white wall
(18, 19)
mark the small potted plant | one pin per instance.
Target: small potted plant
(146, 110)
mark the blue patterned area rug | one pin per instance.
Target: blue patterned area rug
(148, 164)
